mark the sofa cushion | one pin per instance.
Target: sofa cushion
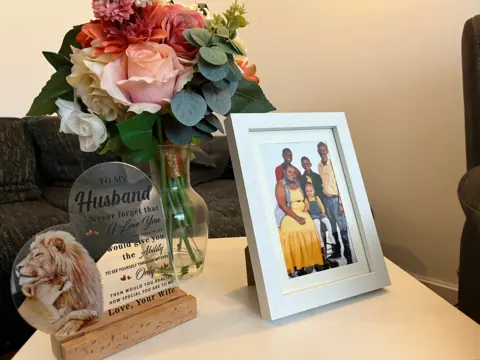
(61, 159)
(17, 162)
(217, 150)
(57, 196)
(222, 201)
(19, 222)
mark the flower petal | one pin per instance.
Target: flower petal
(144, 107)
(112, 74)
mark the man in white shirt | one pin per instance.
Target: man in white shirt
(333, 204)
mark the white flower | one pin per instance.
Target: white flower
(90, 128)
(85, 78)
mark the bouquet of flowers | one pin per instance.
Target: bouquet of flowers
(146, 73)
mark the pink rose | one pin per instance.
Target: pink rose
(175, 19)
(146, 77)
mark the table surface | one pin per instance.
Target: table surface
(404, 321)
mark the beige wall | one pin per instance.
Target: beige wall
(393, 66)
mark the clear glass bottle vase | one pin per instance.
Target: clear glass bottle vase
(186, 213)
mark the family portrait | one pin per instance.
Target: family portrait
(309, 212)
(58, 286)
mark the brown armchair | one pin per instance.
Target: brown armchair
(469, 187)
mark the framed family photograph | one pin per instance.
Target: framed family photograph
(310, 229)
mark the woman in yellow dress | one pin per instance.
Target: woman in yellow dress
(298, 235)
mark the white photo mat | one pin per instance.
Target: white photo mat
(254, 139)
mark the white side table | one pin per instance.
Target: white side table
(404, 321)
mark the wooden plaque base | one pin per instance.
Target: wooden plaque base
(126, 326)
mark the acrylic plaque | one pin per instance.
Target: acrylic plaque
(112, 257)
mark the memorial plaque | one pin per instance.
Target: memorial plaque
(112, 258)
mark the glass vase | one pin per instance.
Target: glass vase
(186, 213)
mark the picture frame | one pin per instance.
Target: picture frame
(289, 274)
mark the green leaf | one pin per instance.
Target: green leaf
(70, 40)
(234, 24)
(57, 86)
(188, 107)
(137, 132)
(221, 84)
(213, 72)
(180, 134)
(232, 88)
(250, 98)
(223, 31)
(219, 100)
(241, 20)
(145, 154)
(205, 126)
(214, 121)
(201, 36)
(227, 47)
(106, 147)
(213, 55)
(57, 60)
(187, 34)
(239, 47)
(234, 72)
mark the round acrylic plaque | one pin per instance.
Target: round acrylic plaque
(110, 258)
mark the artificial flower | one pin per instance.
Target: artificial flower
(109, 38)
(175, 19)
(249, 72)
(143, 3)
(113, 10)
(85, 79)
(90, 128)
(146, 77)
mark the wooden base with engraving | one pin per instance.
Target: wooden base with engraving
(127, 325)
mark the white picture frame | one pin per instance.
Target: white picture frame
(253, 138)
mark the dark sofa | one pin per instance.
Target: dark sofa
(38, 165)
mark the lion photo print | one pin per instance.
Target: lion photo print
(56, 285)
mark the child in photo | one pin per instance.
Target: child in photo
(314, 206)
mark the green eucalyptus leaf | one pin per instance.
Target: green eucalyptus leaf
(188, 107)
(219, 100)
(180, 134)
(214, 121)
(201, 36)
(137, 132)
(57, 60)
(232, 88)
(213, 72)
(239, 47)
(56, 87)
(234, 72)
(227, 48)
(205, 126)
(187, 34)
(213, 55)
(223, 31)
(221, 84)
(249, 98)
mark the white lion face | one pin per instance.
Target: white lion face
(41, 261)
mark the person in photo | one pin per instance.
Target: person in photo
(333, 204)
(309, 176)
(300, 241)
(287, 160)
(314, 206)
